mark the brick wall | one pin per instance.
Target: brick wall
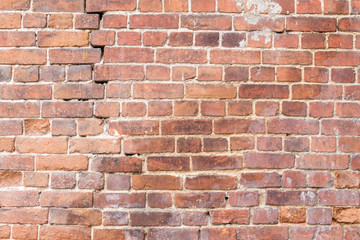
(176, 119)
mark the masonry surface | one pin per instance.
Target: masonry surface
(176, 119)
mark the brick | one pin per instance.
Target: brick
(52, 73)
(291, 197)
(263, 91)
(286, 40)
(78, 91)
(19, 199)
(62, 232)
(15, 5)
(342, 75)
(17, 162)
(188, 145)
(214, 233)
(133, 109)
(102, 38)
(315, 74)
(79, 73)
(293, 179)
(66, 109)
(340, 41)
(322, 216)
(345, 215)
(234, 56)
(10, 20)
(87, 21)
(215, 145)
(332, 197)
(269, 143)
(108, 73)
(276, 24)
(293, 126)
(62, 39)
(260, 179)
(340, 127)
(160, 233)
(162, 21)
(34, 20)
(91, 181)
(219, 91)
(23, 56)
(55, 6)
(288, 74)
(95, 145)
(159, 200)
(269, 160)
(116, 164)
(333, 232)
(210, 73)
(156, 182)
(25, 232)
(186, 108)
(337, 58)
(210, 108)
(320, 179)
(230, 216)
(17, 39)
(177, 39)
(23, 216)
(154, 72)
(175, 6)
(149, 145)
(323, 144)
(351, 232)
(206, 22)
(158, 108)
(311, 24)
(37, 127)
(338, 7)
(155, 218)
(40, 180)
(117, 5)
(200, 200)
(195, 218)
(321, 109)
(352, 92)
(114, 21)
(18, 110)
(66, 199)
(158, 90)
(239, 108)
(292, 215)
(112, 218)
(347, 180)
(63, 128)
(244, 198)
(61, 21)
(308, 7)
(11, 179)
(204, 182)
(262, 74)
(265, 215)
(41, 145)
(274, 232)
(129, 38)
(107, 109)
(323, 161)
(61, 163)
(150, 6)
(16, 92)
(118, 182)
(5, 73)
(7, 144)
(26, 74)
(207, 39)
(294, 109)
(116, 233)
(63, 180)
(152, 38)
(87, 217)
(168, 163)
(74, 56)
(228, 126)
(267, 108)
(192, 56)
(219, 162)
(242, 143)
(236, 74)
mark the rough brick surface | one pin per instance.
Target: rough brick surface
(180, 119)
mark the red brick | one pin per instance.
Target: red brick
(323, 144)
(312, 74)
(116, 164)
(40, 180)
(272, 232)
(63, 180)
(276, 24)
(52, 73)
(55, 232)
(236, 74)
(129, 38)
(118, 233)
(337, 58)
(18, 110)
(66, 199)
(260, 179)
(291, 197)
(219, 91)
(186, 108)
(210, 73)
(336, 7)
(331, 232)
(269, 160)
(215, 145)
(15, 92)
(56, 6)
(192, 56)
(34, 20)
(155, 218)
(66, 109)
(156, 182)
(320, 179)
(206, 22)
(61, 163)
(244, 198)
(345, 215)
(176, 6)
(269, 143)
(267, 108)
(78, 91)
(219, 162)
(293, 126)
(159, 108)
(262, 74)
(234, 57)
(210, 39)
(352, 92)
(292, 215)
(161, 233)
(343, 75)
(188, 145)
(265, 215)
(112, 72)
(62, 39)
(7, 144)
(133, 109)
(159, 200)
(200, 200)
(61, 21)
(230, 216)
(149, 145)
(74, 56)
(340, 127)
(204, 182)
(91, 181)
(107, 109)
(263, 91)
(63, 128)
(115, 218)
(195, 218)
(41, 145)
(158, 90)
(321, 109)
(311, 24)
(188, 127)
(37, 127)
(340, 41)
(168, 163)
(218, 233)
(345, 179)
(118, 182)
(17, 39)
(95, 145)
(87, 21)
(242, 143)
(23, 216)
(87, 217)
(154, 38)
(294, 109)
(79, 73)
(308, 6)
(145, 127)
(228, 126)
(22, 232)
(114, 21)
(10, 20)
(15, 5)
(211, 108)
(19, 198)
(323, 161)
(102, 38)
(162, 21)
(293, 179)
(332, 197)
(286, 40)
(288, 74)
(117, 5)
(22, 56)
